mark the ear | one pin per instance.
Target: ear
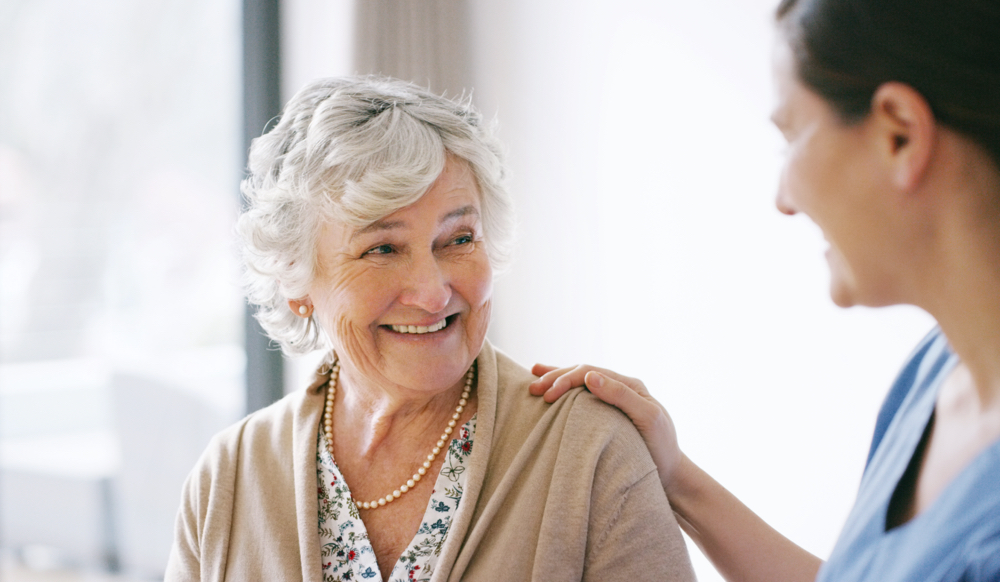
(301, 307)
(907, 131)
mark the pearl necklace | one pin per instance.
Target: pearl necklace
(331, 394)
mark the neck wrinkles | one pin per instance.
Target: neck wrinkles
(377, 413)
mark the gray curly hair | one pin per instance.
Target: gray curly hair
(353, 150)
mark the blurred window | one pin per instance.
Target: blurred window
(121, 346)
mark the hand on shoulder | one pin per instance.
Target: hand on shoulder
(627, 394)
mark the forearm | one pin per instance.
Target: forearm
(738, 542)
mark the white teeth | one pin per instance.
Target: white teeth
(420, 328)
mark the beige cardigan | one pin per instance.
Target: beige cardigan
(565, 491)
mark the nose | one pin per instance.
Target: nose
(428, 286)
(782, 201)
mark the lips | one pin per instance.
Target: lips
(419, 329)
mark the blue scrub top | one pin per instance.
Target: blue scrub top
(957, 538)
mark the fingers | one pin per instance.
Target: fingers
(557, 382)
(631, 397)
(554, 382)
(544, 382)
(542, 369)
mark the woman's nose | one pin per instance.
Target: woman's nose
(428, 286)
(782, 200)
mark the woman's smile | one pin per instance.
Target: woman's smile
(829, 175)
(419, 329)
(435, 333)
(406, 300)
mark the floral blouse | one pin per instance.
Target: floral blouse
(346, 552)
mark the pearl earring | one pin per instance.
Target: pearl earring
(303, 310)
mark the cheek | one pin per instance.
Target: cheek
(354, 342)
(476, 280)
(346, 305)
(476, 287)
(479, 323)
(809, 172)
(795, 174)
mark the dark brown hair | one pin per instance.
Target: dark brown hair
(948, 50)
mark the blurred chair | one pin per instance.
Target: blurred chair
(92, 463)
(163, 432)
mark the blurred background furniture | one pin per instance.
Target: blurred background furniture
(92, 463)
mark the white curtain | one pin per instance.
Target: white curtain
(424, 41)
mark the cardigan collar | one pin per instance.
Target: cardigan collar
(305, 423)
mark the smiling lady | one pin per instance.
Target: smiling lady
(377, 216)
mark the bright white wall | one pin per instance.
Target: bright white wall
(644, 171)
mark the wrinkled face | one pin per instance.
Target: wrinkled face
(406, 300)
(829, 175)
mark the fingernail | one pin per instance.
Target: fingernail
(597, 380)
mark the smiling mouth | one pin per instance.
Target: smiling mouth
(419, 329)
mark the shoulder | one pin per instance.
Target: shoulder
(605, 435)
(242, 477)
(512, 392)
(599, 472)
(586, 427)
(264, 433)
(919, 373)
(272, 426)
(260, 443)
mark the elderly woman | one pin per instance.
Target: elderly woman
(377, 216)
(891, 111)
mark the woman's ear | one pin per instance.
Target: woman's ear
(301, 307)
(907, 130)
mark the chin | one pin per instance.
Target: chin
(433, 375)
(844, 295)
(842, 289)
(843, 292)
(847, 290)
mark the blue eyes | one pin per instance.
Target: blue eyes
(386, 249)
(379, 250)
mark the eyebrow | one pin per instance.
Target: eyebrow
(458, 213)
(378, 225)
(383, 225)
